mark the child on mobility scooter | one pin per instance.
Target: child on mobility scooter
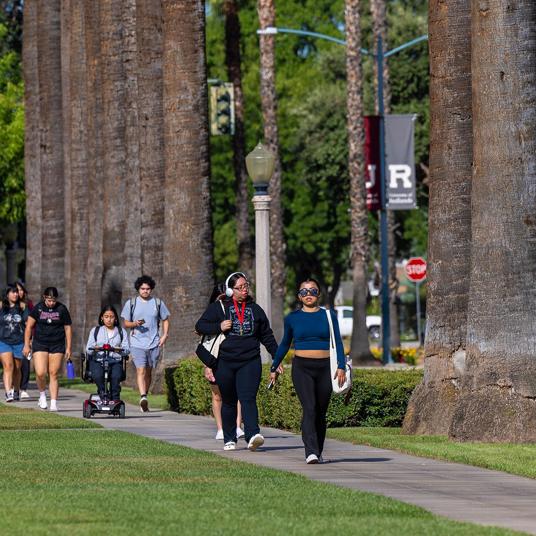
(107, 352)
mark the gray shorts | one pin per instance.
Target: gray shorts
(145, 358)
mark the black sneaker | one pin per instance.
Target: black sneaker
(16, 396)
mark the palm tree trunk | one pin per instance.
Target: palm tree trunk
(360, 349)
(379, 24)
(95, 149)
(497, 392)
(232, 58)
(51, 143)
(32, 151)
(115, 153)
(188, 232)
(132, 210)
(432, 404)
(79, 139)
(266, 11)
(151, 135)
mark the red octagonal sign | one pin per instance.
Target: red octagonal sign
(416, 269)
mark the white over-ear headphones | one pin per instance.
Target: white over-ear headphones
(228, 289)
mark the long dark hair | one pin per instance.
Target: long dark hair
(217, 291)
(6, 305)
(105, 309)
(20, 285)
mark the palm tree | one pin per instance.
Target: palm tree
(113, 87)
(497, 391)
(233, 60)
(379, 25)
(188, 233)
(32, 151)
(360, 349)
(52, 217)
(78, 206)
(151, 135)
(449, 245)
(266, 12)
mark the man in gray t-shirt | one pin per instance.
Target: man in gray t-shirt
(143, 315)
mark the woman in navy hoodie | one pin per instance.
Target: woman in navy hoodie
(238, 368)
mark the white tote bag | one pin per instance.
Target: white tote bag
(212, 342)
(333, 363)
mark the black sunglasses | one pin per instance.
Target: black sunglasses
(306, 291)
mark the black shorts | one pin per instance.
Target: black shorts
(50, 347)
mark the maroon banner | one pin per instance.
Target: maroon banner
(372, 162)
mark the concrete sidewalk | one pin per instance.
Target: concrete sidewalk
(456, 491)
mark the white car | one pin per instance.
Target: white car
(346, 322)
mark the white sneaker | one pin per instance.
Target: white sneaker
(311, 459)
(230, 445)
(255, 442)
(53, 405)
(9, 396)
(219, 435)
(24, 394)
(239, 433)
(43, 402)
(144, 404)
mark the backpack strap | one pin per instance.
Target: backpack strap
(132, 307)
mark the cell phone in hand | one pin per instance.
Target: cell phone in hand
(141, 321)
(270, 386)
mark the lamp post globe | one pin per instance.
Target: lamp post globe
(260, 165)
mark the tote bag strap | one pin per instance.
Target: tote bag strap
(331, 334)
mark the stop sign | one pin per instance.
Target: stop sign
(416, 269)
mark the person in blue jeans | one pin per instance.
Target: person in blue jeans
(238, 367)
(308, 327)
(143, 315)
(13, 317)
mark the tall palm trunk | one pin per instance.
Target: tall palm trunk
(360, 349)
(432, 404)
(95, 148)
(132, 211)
(78, 158)
(266, 11)
(379, 25)
(51, 143)
(188, 233)
(115, 154)
(232, 58)
(151, 135)
(32, 151)
(497, 388)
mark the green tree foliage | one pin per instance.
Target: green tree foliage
(311, 80)
(12, 196)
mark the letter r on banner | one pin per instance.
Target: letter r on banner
(400, 172)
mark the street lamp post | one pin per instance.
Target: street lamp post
(260, 165)
(384, 251)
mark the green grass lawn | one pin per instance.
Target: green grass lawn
(79, 481)
(128, 394)
(517, 459)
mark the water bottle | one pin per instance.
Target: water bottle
(70, 370)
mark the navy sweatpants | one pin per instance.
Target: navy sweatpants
(239, 380)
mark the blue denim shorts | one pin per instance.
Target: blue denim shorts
(145, 358)
(15, 349)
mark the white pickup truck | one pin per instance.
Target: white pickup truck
(346, 322)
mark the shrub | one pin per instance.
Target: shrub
(409, 356)
(379, 397)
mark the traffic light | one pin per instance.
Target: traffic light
(222, 119)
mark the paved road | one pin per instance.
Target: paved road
(453, 490)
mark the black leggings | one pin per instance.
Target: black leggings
(312, 383)
(239, 380)
(25, 374)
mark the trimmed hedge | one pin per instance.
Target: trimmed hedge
(379, 397)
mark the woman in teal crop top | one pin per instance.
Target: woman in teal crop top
(308, 327)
